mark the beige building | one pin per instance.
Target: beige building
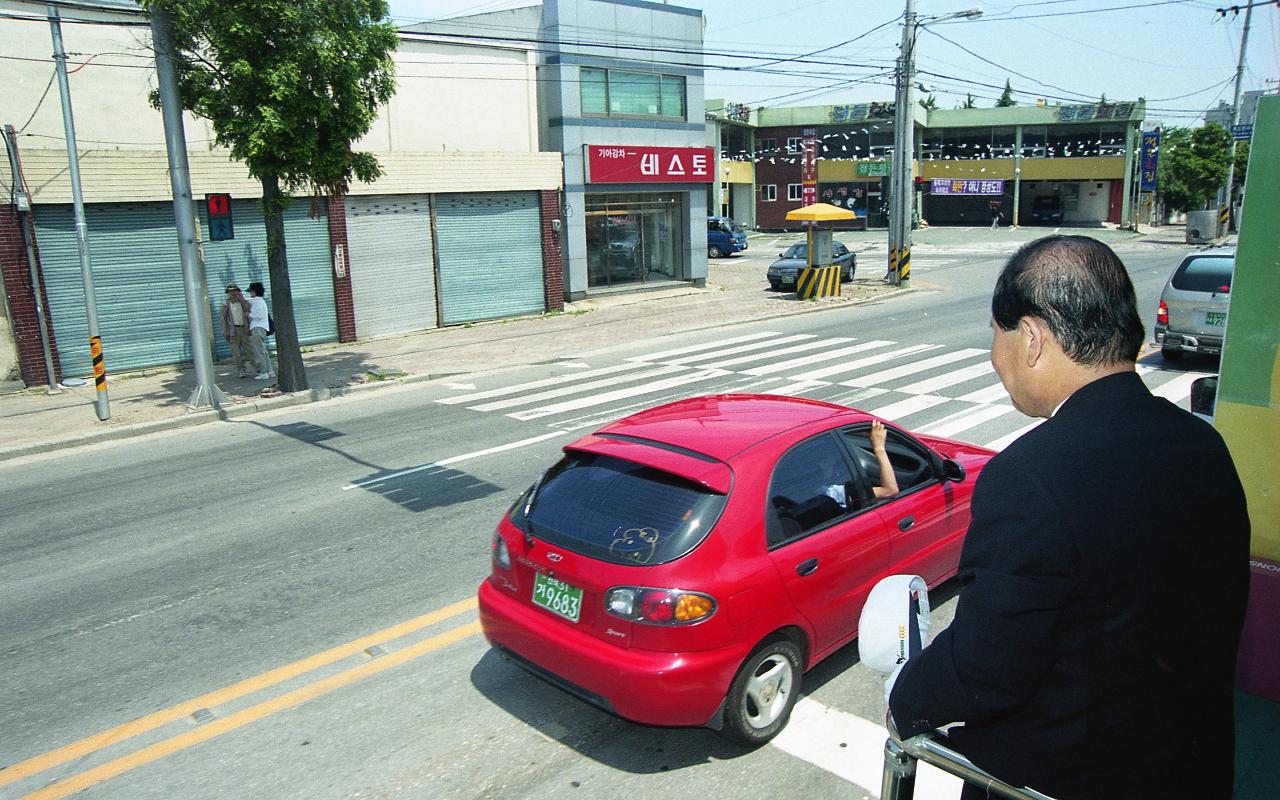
(397, 255)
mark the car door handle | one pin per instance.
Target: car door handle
(807, 567)
(906, 522)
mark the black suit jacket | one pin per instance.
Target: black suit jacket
(1105, 575)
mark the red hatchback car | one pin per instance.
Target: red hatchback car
(687, 564)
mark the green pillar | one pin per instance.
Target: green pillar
(1130, 142)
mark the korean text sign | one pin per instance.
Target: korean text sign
(609, 163)
(948, 186)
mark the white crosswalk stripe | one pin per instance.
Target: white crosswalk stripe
(525, 399)
(964, 419)
(617, 394)
(949, 379)
(467, 398)
(766, 346)
(807, 347)
(816, 358)
(928, 388)
(857, 364)
(698, 348)
(885, 376)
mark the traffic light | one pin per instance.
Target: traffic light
(218, 207)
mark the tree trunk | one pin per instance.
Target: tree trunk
(292, 374)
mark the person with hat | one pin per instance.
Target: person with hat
(235, 328)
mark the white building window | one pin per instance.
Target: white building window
(795, 191)
(768, 192)
(766, 145)
(794, 144)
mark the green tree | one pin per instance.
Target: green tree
(969, 102)
(1006, 97)
(1193, 165)
(288, 86)
(929, 102)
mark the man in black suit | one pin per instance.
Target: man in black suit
(1105, 571)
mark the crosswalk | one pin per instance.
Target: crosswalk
(929, 388)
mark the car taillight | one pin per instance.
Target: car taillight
(501, 556)
(1162, 313)
(658, 606)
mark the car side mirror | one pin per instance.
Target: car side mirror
(1204, 395)
(952, 471)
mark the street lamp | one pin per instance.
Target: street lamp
(901, 185)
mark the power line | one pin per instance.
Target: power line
(1001, 66)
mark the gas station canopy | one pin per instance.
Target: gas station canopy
(820, 212)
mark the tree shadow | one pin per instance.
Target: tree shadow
(596, 734)
(419, 488)
(330, 369)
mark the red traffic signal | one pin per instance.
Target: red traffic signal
(218, 208)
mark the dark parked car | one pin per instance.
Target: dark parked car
(784, 271)
(1192, 317)
(1046, 210)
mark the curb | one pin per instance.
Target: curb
(330, 392)
(202, 417)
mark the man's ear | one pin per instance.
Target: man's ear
(1034, 334)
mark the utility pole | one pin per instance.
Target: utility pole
(102, 403)
(1235, 113)
(901, 187)
(206, 392)
(903, 183)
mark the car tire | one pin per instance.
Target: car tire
(713, 251)
(846, 275)
(1171, 354)
(763, 693)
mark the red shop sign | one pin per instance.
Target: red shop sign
(616, 163)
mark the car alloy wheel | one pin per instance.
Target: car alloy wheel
(762, 694)
(713, 251)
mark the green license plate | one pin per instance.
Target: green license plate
(1218, 318)
(557, 597)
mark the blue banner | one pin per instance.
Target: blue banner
(1149, 165)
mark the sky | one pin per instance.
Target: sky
(1178, 54)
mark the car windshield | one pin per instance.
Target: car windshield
(801, 250)
(1204, 273)
(1046, 202)
(617, 511)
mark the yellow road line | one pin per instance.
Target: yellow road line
(241, 718)
(97, 741)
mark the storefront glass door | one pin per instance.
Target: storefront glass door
(631, 238)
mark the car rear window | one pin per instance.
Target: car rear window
(617, 511)
(1204, 274)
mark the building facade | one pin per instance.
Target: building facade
(624, 108)
(461, 226)
(1069, 165)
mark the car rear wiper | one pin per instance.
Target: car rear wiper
(527, 511)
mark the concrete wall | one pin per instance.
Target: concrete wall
(464, 117)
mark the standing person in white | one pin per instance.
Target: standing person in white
(258, 327)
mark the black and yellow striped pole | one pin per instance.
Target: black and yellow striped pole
(102, 406)
(904, 266)
(892, 274)
(1224, 216)
(817, 282)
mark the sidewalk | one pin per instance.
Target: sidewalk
(33, 421)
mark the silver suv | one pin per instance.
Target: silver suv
(1192, 317)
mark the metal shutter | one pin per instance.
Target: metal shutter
(137, 277)
(243, 260)
(393, 276)
(490, 254)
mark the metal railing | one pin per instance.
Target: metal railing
(900, 759)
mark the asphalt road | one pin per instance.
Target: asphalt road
(281, 606)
